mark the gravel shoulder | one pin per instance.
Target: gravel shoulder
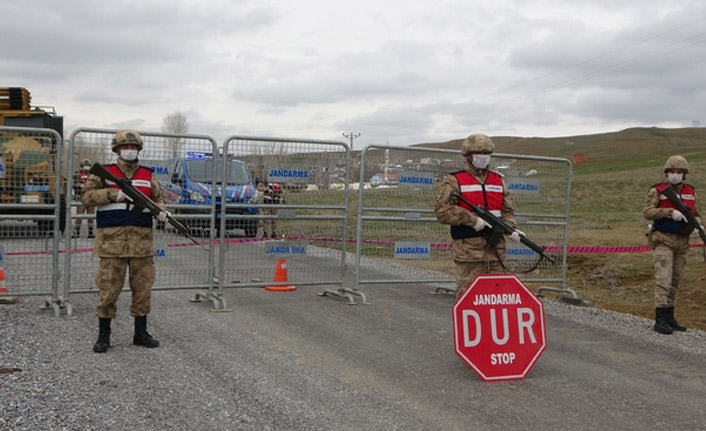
(298, 361)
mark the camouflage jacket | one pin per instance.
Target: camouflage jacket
(120, 241)
(448, 212)
(652, 211)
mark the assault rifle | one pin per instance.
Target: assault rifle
(139, 200)
(691, 222)
(500, 228)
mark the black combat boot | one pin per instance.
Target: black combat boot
(76, 233)
(90, 233)
(103, 336)
(661, 322)
(672, 322)
(142, 337)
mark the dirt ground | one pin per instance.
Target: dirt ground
(608, 188)
(624, 282)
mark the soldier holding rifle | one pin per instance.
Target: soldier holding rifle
(674, 210)
(472, 253)
(124, 239)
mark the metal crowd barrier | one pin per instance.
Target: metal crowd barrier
(316, 235)
(397, 230)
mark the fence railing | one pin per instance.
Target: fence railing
(317, 233)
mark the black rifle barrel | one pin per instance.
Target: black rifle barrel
(497, 224)
(138, 198)
(668, 192)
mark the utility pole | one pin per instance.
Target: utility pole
(351, 136)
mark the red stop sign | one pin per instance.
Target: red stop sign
(499, 328)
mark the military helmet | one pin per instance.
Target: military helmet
(477, 143)
(85, 162)
(677, 162)
(127, 137)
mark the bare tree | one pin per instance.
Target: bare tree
(175, 123)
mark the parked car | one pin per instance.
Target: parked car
(189, 181)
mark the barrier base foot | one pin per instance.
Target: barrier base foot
(9, 299)
(219, 303)
(441, 290)
(345, 293)
(576, 301)
(567, 296)
(58, 304)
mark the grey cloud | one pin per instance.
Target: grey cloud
(120, 33)
(469, 68)
(394, 70)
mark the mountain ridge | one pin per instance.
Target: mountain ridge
(644, 141)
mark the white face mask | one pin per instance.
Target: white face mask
(86, 167)
(481, 161)
(128, 155)
(675, 178)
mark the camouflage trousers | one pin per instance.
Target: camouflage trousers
(669, 265)
(467, 271)
(110, 279)
(83, 210)
(269, 226)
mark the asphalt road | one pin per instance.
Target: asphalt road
(299, 361)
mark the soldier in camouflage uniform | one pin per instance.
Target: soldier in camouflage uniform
(79, 183)
(124, 240)
(272, 196)
(669, 239)
(472, 255)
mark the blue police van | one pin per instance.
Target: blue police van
(189, 181)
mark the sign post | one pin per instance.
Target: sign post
(499, 327)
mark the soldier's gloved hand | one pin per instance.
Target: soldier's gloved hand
(122, 197)
(480, 225)
(678, 216)
(163, 216)
(515, 235)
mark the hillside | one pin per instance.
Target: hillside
(649, 145)
(607, 196)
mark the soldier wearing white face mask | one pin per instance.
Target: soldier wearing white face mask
(124, 240)
(472, 254)
(669, 239)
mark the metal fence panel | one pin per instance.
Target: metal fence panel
(390, 227)
(311, 222)
(397, 229)
(180, 264)
(31, 216)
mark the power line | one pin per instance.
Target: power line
(620, 65)
(351, 136)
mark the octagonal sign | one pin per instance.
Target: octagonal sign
(499, 328)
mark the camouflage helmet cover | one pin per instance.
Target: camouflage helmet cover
(677, 162)
(477, 143)
(127, 137)
(85, 162)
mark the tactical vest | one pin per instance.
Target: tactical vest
(118, 213)
(80, 178)
(489, 195)
(82, 175)
(667, 225)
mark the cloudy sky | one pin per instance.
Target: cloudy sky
(395, 71)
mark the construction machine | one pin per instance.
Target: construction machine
(28, 160)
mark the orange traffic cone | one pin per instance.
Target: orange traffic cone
(3, 291)
(281, 277)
